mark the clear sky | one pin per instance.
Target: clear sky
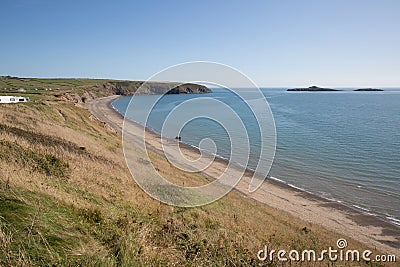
(277, 43)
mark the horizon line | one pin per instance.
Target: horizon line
(237, 86)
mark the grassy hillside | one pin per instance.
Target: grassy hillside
(84, 90)
(67, 198)
(11, 83)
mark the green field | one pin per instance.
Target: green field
(8, 83)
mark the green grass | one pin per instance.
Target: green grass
(45, 163)
(38, 228)
(49, 233)
(14, 83)
(78, 87)
(50, 89)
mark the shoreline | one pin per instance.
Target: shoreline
(272, 179)
(333, 215)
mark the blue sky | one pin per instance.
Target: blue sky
(276, 43)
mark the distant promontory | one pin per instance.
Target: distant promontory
(313, 89)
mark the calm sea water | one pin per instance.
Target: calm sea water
(343, 146)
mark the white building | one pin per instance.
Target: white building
(13, 99)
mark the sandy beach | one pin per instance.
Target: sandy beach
(334, 216)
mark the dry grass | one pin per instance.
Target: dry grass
(67, 198)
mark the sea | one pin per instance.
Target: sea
(343, 146)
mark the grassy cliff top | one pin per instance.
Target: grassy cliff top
(91, 88)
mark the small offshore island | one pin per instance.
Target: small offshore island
(313, 89)
(369, 90)
(319, 89)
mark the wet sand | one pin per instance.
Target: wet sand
(368, 229)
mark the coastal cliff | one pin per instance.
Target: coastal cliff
(126, 88)
(152, 88)
(84, 90)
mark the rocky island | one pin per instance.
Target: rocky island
(312, 89)
(369, 90)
